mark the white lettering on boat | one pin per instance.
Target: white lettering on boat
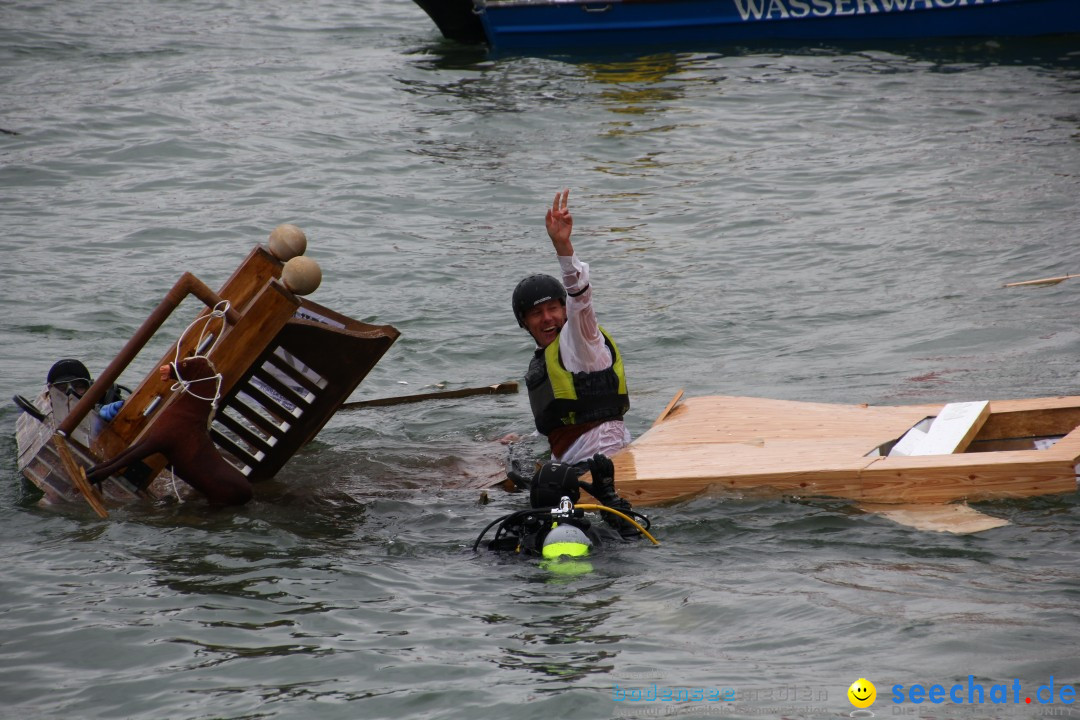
(787, 9)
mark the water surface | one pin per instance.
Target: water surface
(812, 223)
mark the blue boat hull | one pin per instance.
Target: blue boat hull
(528, 25)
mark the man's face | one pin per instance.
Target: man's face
(75, 386)
(544, 321)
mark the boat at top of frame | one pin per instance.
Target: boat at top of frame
(588, 25)
(286, 364)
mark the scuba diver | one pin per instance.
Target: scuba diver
(553, 527)
(71, 378)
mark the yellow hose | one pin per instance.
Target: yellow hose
(613, 511)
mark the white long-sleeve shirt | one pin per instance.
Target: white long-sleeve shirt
(582, 349)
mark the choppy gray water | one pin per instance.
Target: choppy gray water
(828, 224)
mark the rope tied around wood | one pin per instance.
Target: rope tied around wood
(201, 350)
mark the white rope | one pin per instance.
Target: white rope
(172, 478)
(218, 311)
(183, 385)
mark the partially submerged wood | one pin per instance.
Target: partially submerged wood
(960, 518)
(78, 476)
(1024, 448)
(287, 364)
(1042, 281)
(505, 388)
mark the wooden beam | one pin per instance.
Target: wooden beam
(1041, 281)
(506, 388)
(959, 519)
(77, 476)
(670, 406)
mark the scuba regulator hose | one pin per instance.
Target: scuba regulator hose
(508, 519)
(643, 530)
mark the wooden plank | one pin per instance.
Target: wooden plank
(1047, 422)
(287, 393)
(670, 406)
(30, 434)
(244, 432)
(719, 419)
(270, 404)
(287, 368)
(968, 476)
(1041, 281)
(253, 416)
(47, 472)
(77, 476)
(959, 519)
(497, 389)
(650, 478)
(243, 455)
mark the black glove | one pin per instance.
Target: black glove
(603, 489)
(603, 478)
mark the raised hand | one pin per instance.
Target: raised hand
(560, 223)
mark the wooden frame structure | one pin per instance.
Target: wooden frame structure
(718, 444)
(287, 364)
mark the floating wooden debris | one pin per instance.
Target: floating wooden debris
(985, 451)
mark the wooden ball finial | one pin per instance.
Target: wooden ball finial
(301, 275)
(287, 241)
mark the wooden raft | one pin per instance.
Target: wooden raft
(725, 444)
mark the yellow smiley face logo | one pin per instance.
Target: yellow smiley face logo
(862, 693)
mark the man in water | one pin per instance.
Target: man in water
(576, 381)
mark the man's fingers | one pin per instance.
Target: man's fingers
(560, 200)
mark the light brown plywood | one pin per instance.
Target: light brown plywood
(720, 443)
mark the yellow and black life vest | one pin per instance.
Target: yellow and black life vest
(561, 398)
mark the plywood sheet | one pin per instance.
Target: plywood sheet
(959, 519)
(815, 449)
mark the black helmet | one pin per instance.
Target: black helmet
(67, 370)
(534, 290)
